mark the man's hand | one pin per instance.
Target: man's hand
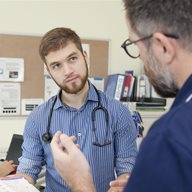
(6, 168)
(71, 164)
(119, 184)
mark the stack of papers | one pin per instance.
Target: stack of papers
(16, 184)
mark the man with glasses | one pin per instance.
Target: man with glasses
(132, 49)
(162, 32)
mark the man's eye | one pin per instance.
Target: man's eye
(56, 66)
(72, 59)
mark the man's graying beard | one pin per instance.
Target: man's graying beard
(161, 79)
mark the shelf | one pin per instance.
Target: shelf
(151, 114)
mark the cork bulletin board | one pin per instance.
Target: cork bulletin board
(26, 47)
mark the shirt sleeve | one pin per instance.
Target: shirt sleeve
(31, 161)
(125, 142)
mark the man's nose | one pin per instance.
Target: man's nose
(67, 69)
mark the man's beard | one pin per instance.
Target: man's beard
(163, 81)
(74, 89)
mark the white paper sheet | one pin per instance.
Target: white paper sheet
(51, 87)
(11, 69)
(98, 82)
(16, 184)
(10, 99)
(27, 105)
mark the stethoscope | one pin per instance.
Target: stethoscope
(46, 137)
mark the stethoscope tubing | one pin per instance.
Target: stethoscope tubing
(46, 137)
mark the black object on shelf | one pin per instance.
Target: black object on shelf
(151, 102)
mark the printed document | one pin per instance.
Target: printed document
(16, 184)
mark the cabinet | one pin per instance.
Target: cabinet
(149, 117)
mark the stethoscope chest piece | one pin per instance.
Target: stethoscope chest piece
(46, 137)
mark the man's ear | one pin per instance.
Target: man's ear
(163, 48)
(85, 54)
(86, 58)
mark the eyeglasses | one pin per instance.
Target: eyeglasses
(133, 51)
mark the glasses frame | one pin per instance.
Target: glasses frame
(128, 42)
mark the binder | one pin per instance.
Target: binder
(127, 86)
(114, 86)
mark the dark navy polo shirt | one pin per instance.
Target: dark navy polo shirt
(164, 163)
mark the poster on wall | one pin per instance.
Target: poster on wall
(10, 99)
(98, 82)
(51, 87)
(11, 69)
(28, 105)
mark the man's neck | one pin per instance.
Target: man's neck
(75, 100)
(183, 68)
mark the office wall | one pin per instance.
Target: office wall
(91, 19)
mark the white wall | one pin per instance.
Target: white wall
(101, 19)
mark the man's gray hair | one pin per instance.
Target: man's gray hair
(166, 16)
